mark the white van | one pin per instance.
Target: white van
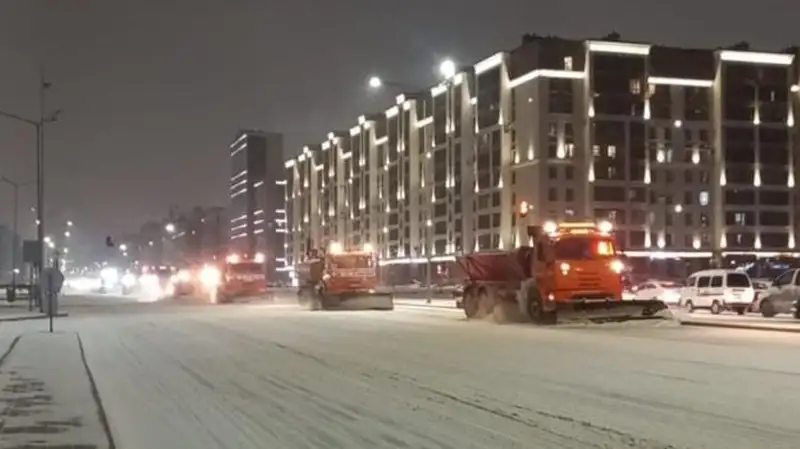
(718, 290)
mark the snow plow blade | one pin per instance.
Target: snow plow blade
(603, 311)
(360, 301)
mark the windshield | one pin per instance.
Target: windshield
(247, 268)
(583, 248)
(738, 280)
(352, 261)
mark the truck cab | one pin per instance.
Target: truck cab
(578, 261)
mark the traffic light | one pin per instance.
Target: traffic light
(110, 242)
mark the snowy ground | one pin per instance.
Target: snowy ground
(259, 375)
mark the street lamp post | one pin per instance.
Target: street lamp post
(39, 126)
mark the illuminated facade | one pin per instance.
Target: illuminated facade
(690, 153)
(257, 215)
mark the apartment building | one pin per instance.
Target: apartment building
(257, 191)
(688, 152)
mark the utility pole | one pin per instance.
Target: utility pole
(43, 85)
(39, 126)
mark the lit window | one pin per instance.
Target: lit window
(703, 198)
(568, 63)
(636, 86)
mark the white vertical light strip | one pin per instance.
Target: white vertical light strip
(489, 63)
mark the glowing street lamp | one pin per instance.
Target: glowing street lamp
(170, 228)
(447, 68)
(375, 82)
(67, 234)
(123, 247)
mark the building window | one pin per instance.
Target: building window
(568, 63)
(636, 86)
(703, 198)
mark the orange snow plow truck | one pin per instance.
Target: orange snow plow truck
(338, 279)
(570, 272)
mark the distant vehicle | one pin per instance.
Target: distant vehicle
(242, 276)
(157, 281)
(718, 290)
(338, 278)
(782, 296)
(666, 291)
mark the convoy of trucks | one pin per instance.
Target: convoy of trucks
(565, 271)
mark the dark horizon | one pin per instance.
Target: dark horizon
(152, 93)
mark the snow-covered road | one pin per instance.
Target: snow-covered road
(256, 376)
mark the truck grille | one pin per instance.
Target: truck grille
(588, 281)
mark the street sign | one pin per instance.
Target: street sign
(52, 280)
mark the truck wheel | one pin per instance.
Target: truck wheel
(536, 310)
(471, 303)
(485, 303)
(767, 309)
(302, 296)
(716, 308)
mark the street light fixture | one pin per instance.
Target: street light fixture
(67, 234)
(39, 126)
(69, 223)
(375, 82)
(123, 247)
(170, 228)
(447, 68)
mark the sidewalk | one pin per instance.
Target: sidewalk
(757, 323)
(18, 311)
(47, 398)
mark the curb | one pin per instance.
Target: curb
(752, 327)
(40, 316)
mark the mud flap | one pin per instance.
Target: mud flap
(613, 311)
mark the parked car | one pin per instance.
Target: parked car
(666, 291)
(718, 290)
(782, 296)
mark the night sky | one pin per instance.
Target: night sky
(154, 90)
